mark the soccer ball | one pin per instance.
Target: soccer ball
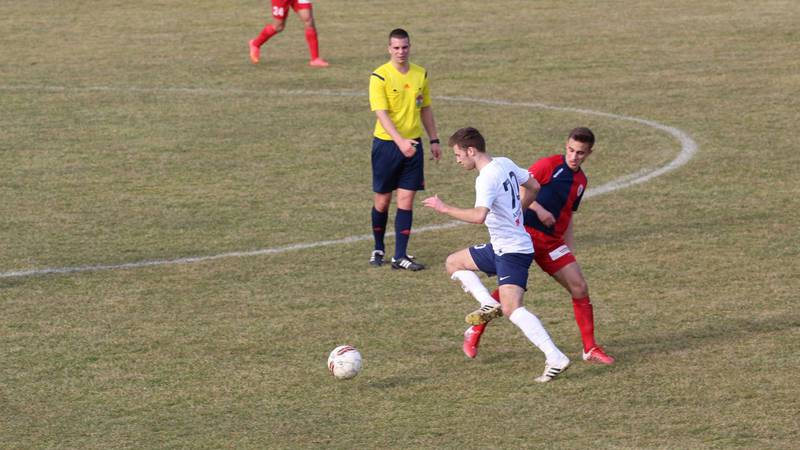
(344, 362)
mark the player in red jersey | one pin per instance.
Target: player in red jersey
(280, 9)
(549, 223)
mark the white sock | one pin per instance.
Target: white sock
(472, 284)
(535, 332)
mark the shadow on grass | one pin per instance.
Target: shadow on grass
(701, 335)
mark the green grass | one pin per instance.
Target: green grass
(133, 131)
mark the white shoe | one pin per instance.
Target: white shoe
(553, 370)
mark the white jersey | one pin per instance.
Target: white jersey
(497, 188)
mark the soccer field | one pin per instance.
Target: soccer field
(184, 235)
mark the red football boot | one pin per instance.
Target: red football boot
(255, 52)
(472, 337)
(318, 62)
(597, 356)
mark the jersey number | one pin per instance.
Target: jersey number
(277, 11)
(512, 185)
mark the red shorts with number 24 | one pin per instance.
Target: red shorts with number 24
(281, 7)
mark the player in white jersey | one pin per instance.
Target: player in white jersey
(499, 202)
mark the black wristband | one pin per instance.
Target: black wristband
(434, 141)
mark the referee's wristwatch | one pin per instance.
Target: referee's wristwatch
(434, 141)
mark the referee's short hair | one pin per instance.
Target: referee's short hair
(399, 33)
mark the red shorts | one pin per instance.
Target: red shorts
(281, 7)
(551, 254)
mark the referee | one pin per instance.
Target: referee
(400, 97)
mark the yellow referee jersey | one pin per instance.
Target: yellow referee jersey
(402, 96)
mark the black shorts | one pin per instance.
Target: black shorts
(392, 170)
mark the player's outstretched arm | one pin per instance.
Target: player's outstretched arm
(471, 215)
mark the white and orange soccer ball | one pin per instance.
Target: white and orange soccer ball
(344, 362)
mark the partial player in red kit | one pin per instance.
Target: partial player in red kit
(549, 223)
(280, 9)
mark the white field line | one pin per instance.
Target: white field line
(194, 259)
(688, 150)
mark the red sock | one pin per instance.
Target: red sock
(479, 328)
(264, 36)
(584, 317)
(496, 294)
(313, 45)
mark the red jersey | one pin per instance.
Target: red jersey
(561, 193)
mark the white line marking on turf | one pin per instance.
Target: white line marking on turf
(688, 150)
(194, 259)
